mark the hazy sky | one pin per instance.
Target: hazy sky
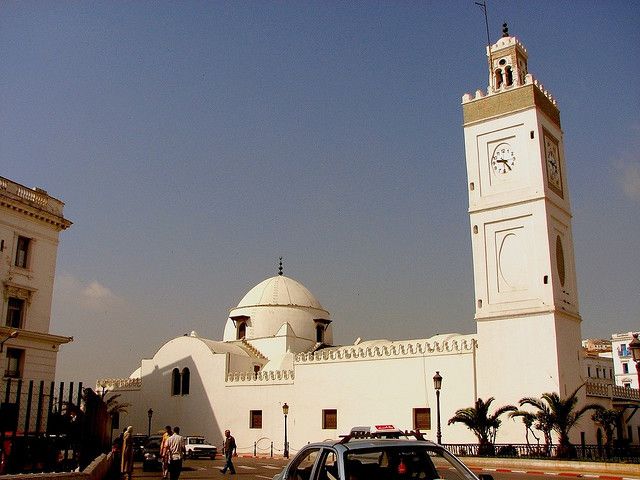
(195, 142)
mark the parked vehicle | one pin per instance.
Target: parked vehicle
(138, 443)
(367, 458)
(151, 454)
(197, 447)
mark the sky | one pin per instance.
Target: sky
(194, 143)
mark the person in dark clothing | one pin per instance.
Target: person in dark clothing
(229, 450)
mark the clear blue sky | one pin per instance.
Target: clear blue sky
(195, 142)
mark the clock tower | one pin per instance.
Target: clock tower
(526, 299)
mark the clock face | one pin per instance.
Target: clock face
(503, 160)
(552, 157)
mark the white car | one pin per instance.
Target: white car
(196, 447)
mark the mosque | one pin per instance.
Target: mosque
(277, 345)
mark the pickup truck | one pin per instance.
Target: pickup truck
(196, 447)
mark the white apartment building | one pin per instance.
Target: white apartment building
(623, 364)
(30, 224)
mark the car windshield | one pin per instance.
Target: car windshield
(199, 441)
(404, 462)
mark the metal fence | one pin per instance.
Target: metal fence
(627, 454)
(49, 428)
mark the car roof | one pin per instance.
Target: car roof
(367, 443)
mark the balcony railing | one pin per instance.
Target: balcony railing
(36, 197)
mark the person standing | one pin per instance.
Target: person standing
(175, 445)
(229, 450)
(164, 451)
(126, 463)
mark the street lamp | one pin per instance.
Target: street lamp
(150, 414)
(285, 411)
(437, 384)
(634, 346)
(12, 334)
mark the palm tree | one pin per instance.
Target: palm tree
(481, 423)
(608, 419)
(560, 415)
(114, 406)
(528, 419)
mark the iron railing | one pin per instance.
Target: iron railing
(49, 429)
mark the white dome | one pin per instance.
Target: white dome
(279, 290)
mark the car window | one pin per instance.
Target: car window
(328, 466)
(301, 470)
(403, 462)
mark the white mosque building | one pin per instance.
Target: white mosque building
(277, 346)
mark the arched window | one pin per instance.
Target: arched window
(242, 330)
(498, 75)
(186, 378)
(320, 333)
(509, 76)
(175, 382)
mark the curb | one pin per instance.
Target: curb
(557, 474)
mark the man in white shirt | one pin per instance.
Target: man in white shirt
(175, 445)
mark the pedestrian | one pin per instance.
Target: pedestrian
(164, 451)
(229, 450)
(175, 445)
(126, 463)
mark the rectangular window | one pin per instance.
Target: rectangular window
(422, 419)
(15, 361)
(330, 419)
(255, 419)
(22, 252)
(15, 312)
(625, 367)
(589, 372)
(597, 372)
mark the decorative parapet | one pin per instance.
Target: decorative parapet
(615, 392)
(528, 80)
(388, 350)
(262, 377)
(121, 384)
(37, 197)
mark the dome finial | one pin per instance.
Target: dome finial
(280, 267)
(505, 30)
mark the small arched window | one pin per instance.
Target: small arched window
(509, 76)
(320, 333)
(498, 75)
(242, 330)
(175, 382)
(186, 379)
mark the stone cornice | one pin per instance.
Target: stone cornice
(270, 377)
(118, 384)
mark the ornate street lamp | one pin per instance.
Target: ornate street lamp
(437, 384)
(285, 411)
(150, 414)
(12, 334)
(634, 346)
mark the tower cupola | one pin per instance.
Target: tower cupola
(508, 63)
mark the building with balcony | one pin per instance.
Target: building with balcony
(30, 225)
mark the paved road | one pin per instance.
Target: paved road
(265, 468)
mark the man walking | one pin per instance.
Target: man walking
(229, 450)
(175, 445)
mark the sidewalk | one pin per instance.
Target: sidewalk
(609, 471)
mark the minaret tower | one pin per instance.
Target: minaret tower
(525, 281)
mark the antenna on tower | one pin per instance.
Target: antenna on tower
(483, 6)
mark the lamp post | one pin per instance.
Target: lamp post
(12, 334)
(150, 414)
(285, 411)
(634, 346)
(437, 384)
